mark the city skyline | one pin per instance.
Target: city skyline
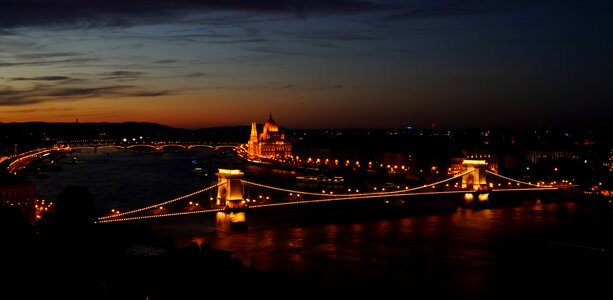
(315, 64)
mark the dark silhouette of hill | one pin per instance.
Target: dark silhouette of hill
(35, 134)
(89, 130)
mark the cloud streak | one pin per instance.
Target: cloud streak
(33, 110)
(44, 55)
(50, 93)
(40, 78)
(39, 63)
(123, 75)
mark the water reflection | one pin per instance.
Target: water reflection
(457, 251)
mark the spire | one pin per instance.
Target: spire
(253, 140)
(270, 115)
(254, 130)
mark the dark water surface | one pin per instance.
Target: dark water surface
(535, 248)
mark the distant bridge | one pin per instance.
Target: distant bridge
(151, 146)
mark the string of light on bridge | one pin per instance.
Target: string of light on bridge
(161, 203)
(337, 197)
(511, 179)
(542, 188)
(159, 145)
(354, 194)
(182, 213)
(407, 192)
(350, 196)
(355, 197)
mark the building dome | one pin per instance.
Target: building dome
(271, 125)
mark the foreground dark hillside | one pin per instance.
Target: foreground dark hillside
(68, 256)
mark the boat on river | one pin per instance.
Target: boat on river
(321, 179)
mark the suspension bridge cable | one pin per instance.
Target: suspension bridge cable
(406, 192)
(161, 203)
(511, 179)
(357, 197)
(351, 195)
(160, 215)
(546, 188)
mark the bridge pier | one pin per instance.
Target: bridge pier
(230, 195)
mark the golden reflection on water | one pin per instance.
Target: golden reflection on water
(459, 250)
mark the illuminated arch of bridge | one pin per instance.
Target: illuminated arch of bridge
(230, 182)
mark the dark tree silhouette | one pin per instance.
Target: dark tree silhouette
(74, 208)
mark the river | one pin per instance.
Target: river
(552, 248)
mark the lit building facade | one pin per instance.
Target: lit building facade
(22, 195)
(270, 143)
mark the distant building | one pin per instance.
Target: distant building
(536, 155)
(21, 194)
(271, 143)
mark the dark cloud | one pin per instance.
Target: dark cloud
(450, 8)
(40, 78)
(126, 73)
(31, 110)
(49, 93)
(121, 13)
(47, 62)
(124, 13)
(198, 74)
(46, 55)
(166, 61)
(121, 75)
(78, 92)
(148, 94)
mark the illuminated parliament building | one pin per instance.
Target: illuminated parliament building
(271, 143)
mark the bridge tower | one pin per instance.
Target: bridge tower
(475, 180)
(230, 195)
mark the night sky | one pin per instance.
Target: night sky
(315, 64)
